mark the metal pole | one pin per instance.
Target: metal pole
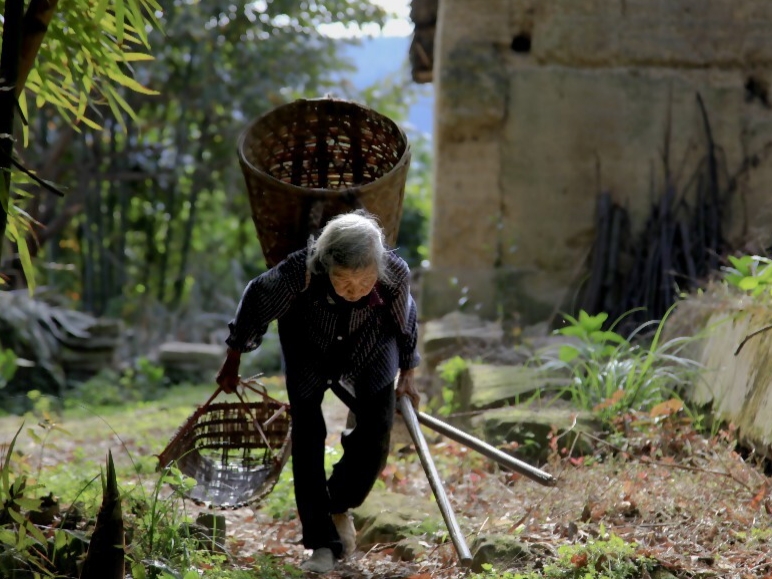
(411, 421)
(535, 474)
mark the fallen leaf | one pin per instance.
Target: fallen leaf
(667, 408)
(579, 560)
(759, 497)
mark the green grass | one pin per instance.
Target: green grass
(63, 453)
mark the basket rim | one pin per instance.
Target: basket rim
(319, 191)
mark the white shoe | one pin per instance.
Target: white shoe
(321, 561)
(344, 524)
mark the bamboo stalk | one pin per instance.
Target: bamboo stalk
(411, 421)
(9, 71)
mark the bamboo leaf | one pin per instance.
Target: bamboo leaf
(111, 102)
(101, 9)
(121, 102)
(119, 11)
(137, 19)
(137, 57)
(90, 123)
(82, 105)
(25, 113)
(26, 262)
(129, 83)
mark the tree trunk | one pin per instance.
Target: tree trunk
(197, 186)
(9, 73)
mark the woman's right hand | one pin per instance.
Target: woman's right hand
(228, 375)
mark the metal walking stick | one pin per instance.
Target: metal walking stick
(411, 421)
(505, 460)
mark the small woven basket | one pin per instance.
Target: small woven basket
(235, 451)
(310, 160)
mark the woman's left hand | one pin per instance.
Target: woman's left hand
(406, 387)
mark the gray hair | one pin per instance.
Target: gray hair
(350, 241)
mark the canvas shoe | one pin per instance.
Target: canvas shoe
(321, 561)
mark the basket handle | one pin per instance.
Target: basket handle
(260, 428)
(162, 461)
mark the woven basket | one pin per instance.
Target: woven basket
(310, 160)
(235, 451)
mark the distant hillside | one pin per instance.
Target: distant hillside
(376, 58)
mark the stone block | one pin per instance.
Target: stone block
(387, 517)
(487, 386)
(472, 19)
(499, 550)
(456, 333)
(183, 361)
(671, 33)
(530, 426)
(465, 224)
(737, 385)
(472, 91)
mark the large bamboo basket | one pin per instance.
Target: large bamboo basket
(310, 160)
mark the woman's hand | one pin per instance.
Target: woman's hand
(228, 376)
(406, 387)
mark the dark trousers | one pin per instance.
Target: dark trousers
(365, 450)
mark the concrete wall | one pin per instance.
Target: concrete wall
(540, 105)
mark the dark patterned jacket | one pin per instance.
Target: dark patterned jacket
(326, 339)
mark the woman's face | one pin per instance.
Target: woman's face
(353, 284)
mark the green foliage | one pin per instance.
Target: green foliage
(589, 330)
(280, 502)
(144, 380)
(450, 372)
(179, 220)
(20, 540)
(86, 54)
(161, 539)
(8, 365)
(751, 274)
(158, 524)
(609, 557)
(611, 374)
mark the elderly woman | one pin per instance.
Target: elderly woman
(347, 322)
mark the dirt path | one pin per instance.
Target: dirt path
(693, 504)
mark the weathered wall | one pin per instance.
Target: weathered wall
(540, 105)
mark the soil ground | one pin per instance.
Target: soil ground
(692, 503)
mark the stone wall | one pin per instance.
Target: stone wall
(540, 105)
